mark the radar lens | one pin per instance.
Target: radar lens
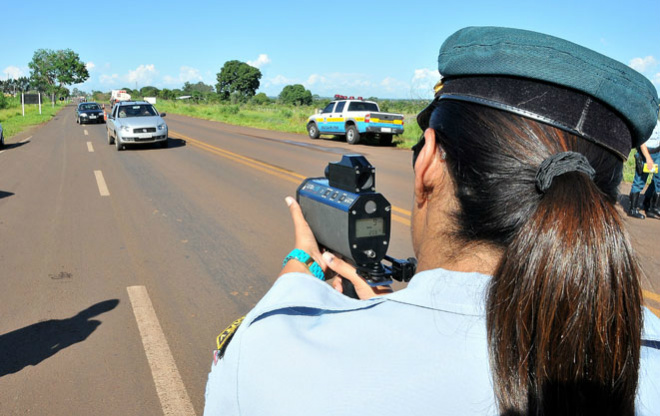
(370, 207)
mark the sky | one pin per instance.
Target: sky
(383, 49)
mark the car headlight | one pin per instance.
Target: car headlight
(125, 128)
(162, 126)
(83, 115)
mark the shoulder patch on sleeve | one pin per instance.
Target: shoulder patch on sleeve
(223, 339)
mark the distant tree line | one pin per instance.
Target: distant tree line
(237, 82)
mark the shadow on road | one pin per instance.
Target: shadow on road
(35, 343)
(171, 144)
(4, 194)
(364, 141)
(14, 145)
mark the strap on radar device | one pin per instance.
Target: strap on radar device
(349, 218)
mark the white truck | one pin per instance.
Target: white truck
(355, 118)
(119, 95)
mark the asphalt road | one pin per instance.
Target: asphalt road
(119, 269)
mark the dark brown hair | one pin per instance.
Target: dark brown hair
(564, 305)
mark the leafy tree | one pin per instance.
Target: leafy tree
(261, 99)
(296, 95)
(100, 96)
(238, 79)
(52, 70)
(23, 84)
(75, 92)
(188, 88)
(166, 94)
(149, 91)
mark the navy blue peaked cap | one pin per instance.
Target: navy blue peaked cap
(550, 80)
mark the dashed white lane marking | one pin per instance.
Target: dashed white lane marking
(86, 133)
(25, 140)
(103, 188)
(172, 393)
(90, 148)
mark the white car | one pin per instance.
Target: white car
(136, 122)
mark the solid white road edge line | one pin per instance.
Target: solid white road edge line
(90, 148)
(172, 393)
(25, 140)
(86, 133)
(103, 188)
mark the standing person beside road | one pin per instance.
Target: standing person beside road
(649, 154)
(527, 296)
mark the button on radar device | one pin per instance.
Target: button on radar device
(350, 219)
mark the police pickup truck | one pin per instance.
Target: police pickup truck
(355, 119)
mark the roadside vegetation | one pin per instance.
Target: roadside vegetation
(11, 114)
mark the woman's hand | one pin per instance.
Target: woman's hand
(650, 164)
(305, 240)
(346, 271)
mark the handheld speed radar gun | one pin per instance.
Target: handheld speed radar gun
(349, 218)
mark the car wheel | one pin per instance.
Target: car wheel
(77, 120)
(110, 139)
(313, 131)
(118, 145)
(352, 135)
(2, 140)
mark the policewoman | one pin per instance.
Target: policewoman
(527, 298)
(648, 153)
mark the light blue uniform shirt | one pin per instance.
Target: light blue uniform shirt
(306, 349)
(654, 140)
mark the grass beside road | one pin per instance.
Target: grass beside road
(13, 121)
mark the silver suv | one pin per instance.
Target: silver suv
(134, 122)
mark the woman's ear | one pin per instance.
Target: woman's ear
(428, 167)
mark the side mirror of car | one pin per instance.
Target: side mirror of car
(163, 114)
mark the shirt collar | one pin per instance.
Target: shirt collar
(446, 290)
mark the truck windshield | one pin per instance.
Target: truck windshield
(141, 110)
(360, 106)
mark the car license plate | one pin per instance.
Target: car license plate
(386, 130)
(92, 116)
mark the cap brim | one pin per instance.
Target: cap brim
(424, 116)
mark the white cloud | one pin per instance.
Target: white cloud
(315, 79)
(422, 83)
(643, 64)
(90, 66)
(186, 74)
(656, 79)
(390, 84)
(108, 79)
(281, 80)
(13, 72)
(143, 75)
(262, 60)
